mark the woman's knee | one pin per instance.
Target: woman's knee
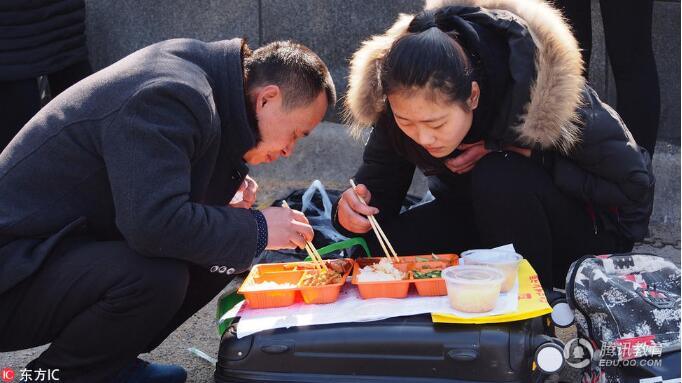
(507, 173)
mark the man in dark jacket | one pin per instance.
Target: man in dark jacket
(117, 218)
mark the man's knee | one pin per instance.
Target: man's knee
(139, 280)
(164, 280)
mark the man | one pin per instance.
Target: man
(114, 218)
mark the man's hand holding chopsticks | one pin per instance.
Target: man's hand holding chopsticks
(287, 228)
(352, 213)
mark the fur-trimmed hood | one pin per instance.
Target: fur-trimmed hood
(548, 120)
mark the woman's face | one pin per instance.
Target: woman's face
(432, 121)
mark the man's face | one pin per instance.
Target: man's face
(279, 128)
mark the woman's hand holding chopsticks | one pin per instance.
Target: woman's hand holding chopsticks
(378, 231)
(353, 212)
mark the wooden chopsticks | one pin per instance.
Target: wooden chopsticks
(381, 236)
(318, 262)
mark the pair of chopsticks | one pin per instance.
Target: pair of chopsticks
(318, 262)
(381, 237)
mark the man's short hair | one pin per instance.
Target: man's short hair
(295, 69)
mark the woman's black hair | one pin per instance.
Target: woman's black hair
(429, 56)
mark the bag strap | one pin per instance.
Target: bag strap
(343, 245)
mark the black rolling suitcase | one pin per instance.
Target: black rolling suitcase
(403, 349)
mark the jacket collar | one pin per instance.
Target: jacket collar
(227, 79)
(238, 135)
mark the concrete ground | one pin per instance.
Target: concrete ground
(330, 156)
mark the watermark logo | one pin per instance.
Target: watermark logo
(28, 375)
(7, 374)
(639, 351)
(578, 353)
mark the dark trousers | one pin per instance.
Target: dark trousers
(627, 31)
(513, 200)
(20, 100)
(101, 304)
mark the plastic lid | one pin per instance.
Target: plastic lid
(472, 274)
(491, 256)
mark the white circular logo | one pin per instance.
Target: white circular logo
(578, 352)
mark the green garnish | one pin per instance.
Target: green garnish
(426, 274)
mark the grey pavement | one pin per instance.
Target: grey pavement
(332, 157)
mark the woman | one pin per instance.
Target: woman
(488, 100)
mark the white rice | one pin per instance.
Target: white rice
(382, 271)
(270, 286)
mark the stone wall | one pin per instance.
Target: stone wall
(334, 29)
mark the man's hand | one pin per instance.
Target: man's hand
(287, 228)
(352, 212)
(246, 195)
(467, 159)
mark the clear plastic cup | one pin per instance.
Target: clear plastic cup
(505, 261)
(471, 288)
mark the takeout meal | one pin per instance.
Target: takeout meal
(283, 284)
(337, 265)
(422, 271)
(321, 277)
(381, 271)
(334, 274)
(505, 261)
(471, 288)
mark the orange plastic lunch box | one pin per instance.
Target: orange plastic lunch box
(290, 273)
(400, 289)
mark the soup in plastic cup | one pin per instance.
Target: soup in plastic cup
(471, 288)
(505, 261)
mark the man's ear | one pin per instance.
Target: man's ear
(265, 95)
(475, 95)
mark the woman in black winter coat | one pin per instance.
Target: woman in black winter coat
(487, 98)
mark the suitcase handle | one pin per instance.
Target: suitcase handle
(463, 354)
(275, 348)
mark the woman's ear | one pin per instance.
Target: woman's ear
(475, 95)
